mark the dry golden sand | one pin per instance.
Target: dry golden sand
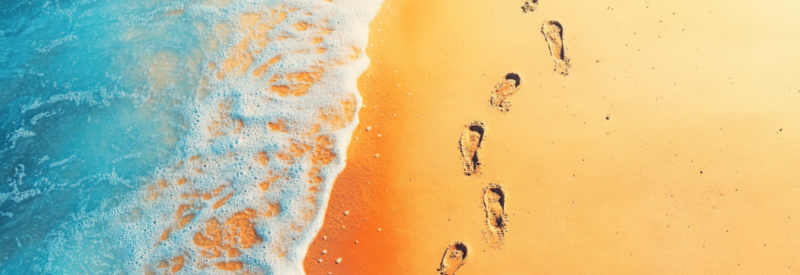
(670, 148)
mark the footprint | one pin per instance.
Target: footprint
(554, 34)
(503, 90)
(529, 6)
(494, 202)
(454, 257)
(470, 143)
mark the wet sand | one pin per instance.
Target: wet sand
(670, 147)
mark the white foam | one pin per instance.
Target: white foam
(300, 113)
(42, 115)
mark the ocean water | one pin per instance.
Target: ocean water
(163, 137)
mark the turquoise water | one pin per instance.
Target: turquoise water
(106, 102)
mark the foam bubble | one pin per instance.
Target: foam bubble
(262, 101)
(268, 131)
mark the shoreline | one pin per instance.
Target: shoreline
(601, 168)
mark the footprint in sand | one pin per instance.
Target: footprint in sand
(470, 143)
(503, 90)
(529, 6)
(554, 34)
(494, 202)
(454, 257)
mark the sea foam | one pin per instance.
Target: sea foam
(268, 136)
(271, 107)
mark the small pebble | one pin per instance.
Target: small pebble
(324, 237)
(356, 241)
(379, 135)
(339, 260)
(342, 226)
(324, 251)
(377, 155)
(320, 260)
(347, 212)
(379, 230)
(369, 128)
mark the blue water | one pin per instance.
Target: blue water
(77, 128)
(115, 112)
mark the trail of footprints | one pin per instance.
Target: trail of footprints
(473, 137)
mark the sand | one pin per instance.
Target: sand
(670, 147)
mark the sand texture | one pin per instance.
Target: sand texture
(644, 138)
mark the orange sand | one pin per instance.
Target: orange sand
(670, 148)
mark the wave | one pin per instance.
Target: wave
(266, 102)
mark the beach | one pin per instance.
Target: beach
(400, 137)
(668, 146)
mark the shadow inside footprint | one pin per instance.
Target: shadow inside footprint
(454, 257)
(515, 77)
(504, 89)
(494, 202)
(470, 143)
(554, 35)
